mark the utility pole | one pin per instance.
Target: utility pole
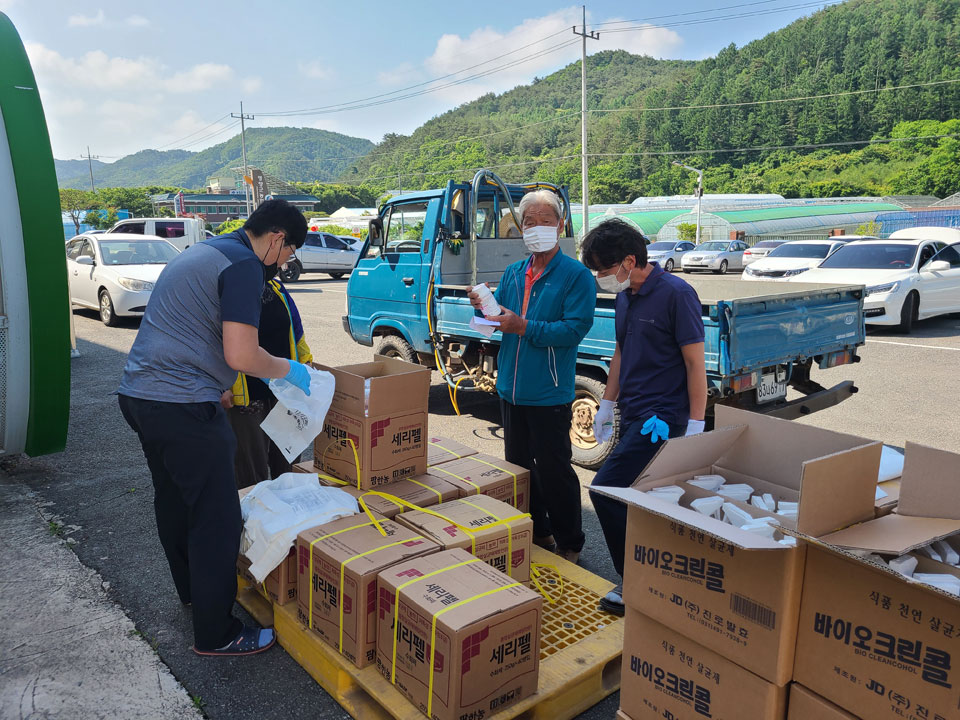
(90, 158)
(243, 149)
(699, 193)
(583, 117)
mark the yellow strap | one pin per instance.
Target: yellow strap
(469, 482)
(396, 610)
(312, 543)
(438, 445)
(509, 533)
(356, 458)
(433, 634)
(343, 566)
(536, 569)
(427, 487)
(508, 473)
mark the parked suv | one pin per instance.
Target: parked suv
(321, 252)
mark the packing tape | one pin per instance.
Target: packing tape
(312, 543)
(396, 609)
(513, 475)
(509, 563)
(458, 477)
(356, 458)
(536, 569)
(438, 445)
(433, 633)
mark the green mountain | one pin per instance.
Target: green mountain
(293, 154)
(640, 121)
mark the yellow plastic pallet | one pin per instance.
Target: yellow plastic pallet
(253, 601)
(580, 651)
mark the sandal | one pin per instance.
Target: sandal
(612, 602)
(250, 641)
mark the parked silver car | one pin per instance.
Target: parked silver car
(717, 256)
(667, 253)
(321, 252)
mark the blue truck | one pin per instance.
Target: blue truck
(408, 295)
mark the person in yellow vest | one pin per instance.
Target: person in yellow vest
(250, 400)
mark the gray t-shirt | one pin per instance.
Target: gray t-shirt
(178, 354)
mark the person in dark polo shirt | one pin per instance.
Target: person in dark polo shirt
(657, 374)
(198, 332)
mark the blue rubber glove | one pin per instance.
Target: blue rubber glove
(298, 375)
(656, 428)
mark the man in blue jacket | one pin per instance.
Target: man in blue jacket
(547, 303)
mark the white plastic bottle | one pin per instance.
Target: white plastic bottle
(489, 306)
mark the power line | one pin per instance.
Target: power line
(212, 135)
(196, 132)
(692, 12)
(738, 16)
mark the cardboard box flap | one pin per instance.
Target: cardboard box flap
(686, 453)
(691, 518)
(930, 485)
(838, 490)
(395, 386)
(893, 534)
(776, 449)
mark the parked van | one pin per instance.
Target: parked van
(180, 232)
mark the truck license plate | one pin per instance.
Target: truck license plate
(769, 389)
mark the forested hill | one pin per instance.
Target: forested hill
(860, 45)
(289, 153)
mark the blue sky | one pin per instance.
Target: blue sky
(121, 77)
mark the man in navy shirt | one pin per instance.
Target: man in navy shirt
(198, 332)
(657, 374)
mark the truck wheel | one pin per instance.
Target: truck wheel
(586, 401)
(909, 313)
(292, 272)
(336, 275)
(396, 347)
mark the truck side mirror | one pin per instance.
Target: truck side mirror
(376, 232)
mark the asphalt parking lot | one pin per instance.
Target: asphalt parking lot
(100, 484)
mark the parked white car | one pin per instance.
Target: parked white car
(760, 250)
(906, 280)
(322, 252)
(790, 259)
(715, 255)
(115, 273)
(668, 253)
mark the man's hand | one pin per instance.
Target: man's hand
(603, 421)
(474, 298)
(226, 400)
(509, 321)
(694, 427)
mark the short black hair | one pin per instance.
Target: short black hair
(610, 242)
(278, 216)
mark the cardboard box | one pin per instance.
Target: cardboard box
(337, 566)
(621, 715)
(667, 675)
(423, 491)
(377, 419)
(870, 640)
(280, 585)
(807, 705)
(441, 450)
(734, 592)
(885, 505)
(475, 628)
(498, 534)
(482, 474)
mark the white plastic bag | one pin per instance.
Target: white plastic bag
(298, 418)
(275, 511)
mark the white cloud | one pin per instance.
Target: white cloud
(94, 69)
(647, 39)
(137, 21)
(315, 70)
(199, 77)
(403, 74)
(87, 20)
(251, 84)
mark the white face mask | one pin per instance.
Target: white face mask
(610, 284)
(540, 238)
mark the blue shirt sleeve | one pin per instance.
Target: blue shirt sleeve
(688, 319)
(241, 286)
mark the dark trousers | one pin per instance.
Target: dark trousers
(538, 438)
(258, 458)
(189, 449)
(624, 465)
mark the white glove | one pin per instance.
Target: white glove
(603, 421)
(694, 427)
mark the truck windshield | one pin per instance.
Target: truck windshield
(872, 256)
(791, 250)
(404, 230)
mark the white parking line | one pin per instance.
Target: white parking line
(917, 345)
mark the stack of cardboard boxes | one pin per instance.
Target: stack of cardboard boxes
(721, 620)
(427, 585)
